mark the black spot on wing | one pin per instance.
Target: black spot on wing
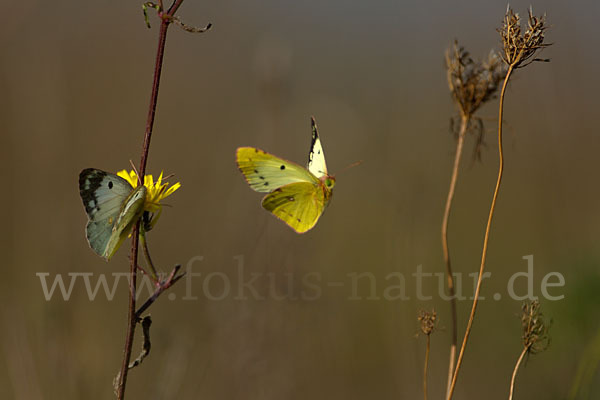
(110, 185)
(262, 177)
(282, 167)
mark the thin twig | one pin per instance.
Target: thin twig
(514, 375)
(170, 281)
(464, 122)
(485, 239)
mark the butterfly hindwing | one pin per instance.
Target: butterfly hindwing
(265, 172)
(297, 204)
(112, 205)
(131, 210)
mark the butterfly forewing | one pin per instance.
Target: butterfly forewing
(316, 156)
(265, 172)
(298, 204)
(102, 193)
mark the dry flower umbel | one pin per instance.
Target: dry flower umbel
(535, 328)
(535, 336)
(428, 320)
(519, 49)
(472, 82)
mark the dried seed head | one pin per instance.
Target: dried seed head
(519, 49)
(535, 328)
(428, 321)
(472, 82)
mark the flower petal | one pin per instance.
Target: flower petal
(156, 190)
(172, 189)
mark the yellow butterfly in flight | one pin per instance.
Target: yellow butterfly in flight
(296, 195)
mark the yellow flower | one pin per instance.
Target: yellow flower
(156, 191)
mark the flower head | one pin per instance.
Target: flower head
(156, 191)
(519, 48)
(428, 321)
(535, 328)
(472, 82)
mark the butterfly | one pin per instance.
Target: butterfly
(296, 195)
(112, 206)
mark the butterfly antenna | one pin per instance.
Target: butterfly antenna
(354, 164)
(136, 172)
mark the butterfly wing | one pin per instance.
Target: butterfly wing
(265, 172)
(299, 204)
(111, 204)
(316, 157)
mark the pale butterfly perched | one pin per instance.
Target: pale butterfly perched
(296, 195)
(112, 206)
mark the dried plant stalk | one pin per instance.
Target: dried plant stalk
(428, 322)
(518, 51)
(471, 83)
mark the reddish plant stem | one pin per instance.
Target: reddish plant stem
(153, 97)
(132, 316)
(161, 287)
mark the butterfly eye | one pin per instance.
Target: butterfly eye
(328, 182)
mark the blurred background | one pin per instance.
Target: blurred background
(75, 80)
